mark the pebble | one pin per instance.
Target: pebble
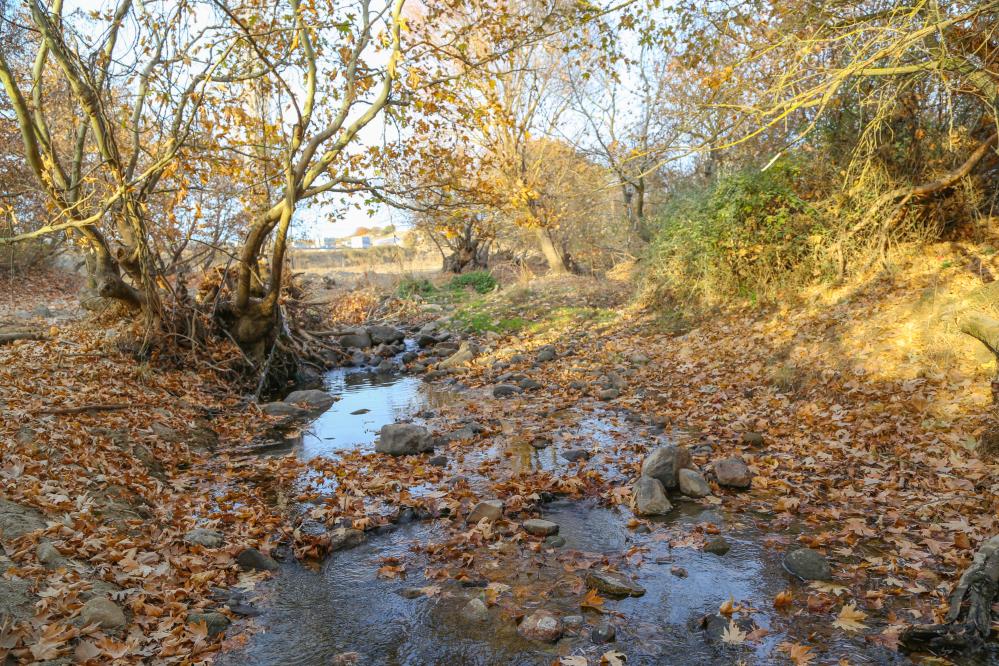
(603, 633)
(718, 546)
(541, 625)
(476, 610)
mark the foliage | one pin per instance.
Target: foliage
(749, 235)
(481, 281)
(410, 287)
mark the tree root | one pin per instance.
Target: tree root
(967, 626)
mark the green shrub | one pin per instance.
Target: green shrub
(410, 287)
(749, 235)
(481, 281)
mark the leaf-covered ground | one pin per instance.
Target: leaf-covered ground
(869, 409)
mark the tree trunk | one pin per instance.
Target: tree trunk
(558, 262)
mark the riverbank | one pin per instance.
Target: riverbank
(557, 391)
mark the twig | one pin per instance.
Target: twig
(84, 408)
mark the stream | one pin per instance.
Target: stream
(312, 614)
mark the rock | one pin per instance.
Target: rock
(648, 498)
(459, 358)
(381, 334)
(215, 622)
(665, 464)
(505, 390)
(517, 358)
(343, 538)
(715, 626)
(539, 527)
(541, 625)
(608, 394)
(356, 338)
(546, 354)
(733, 472)
(717, 546)
(386, 367)
(529, 384)
(573, 623)
(638, 358)
(692, 483)
(282, 409)
(807, 564)
(541, 442)
(603, 633)
(438, 461)
(358, 358)
(48, 555)
(753, 439)
(572, 455)
(614, 584)
(402, 439)
(311, 399)
(204, 537)
(577, 385)
(102, 612)
(425, 340)
(252, 559)
(17, 520)
(554, 541)
(476, 610)
(16, 600)
(490, 510)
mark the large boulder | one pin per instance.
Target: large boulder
(665, 464)
(380, 334)
(648, 498)
(313, 400)
(17, 520)
(357, 337)
(403, 439)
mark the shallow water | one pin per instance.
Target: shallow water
(313, 614)
(386, 398)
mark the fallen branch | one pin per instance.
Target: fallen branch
(967, 627)
(20, 335)
(83, 408)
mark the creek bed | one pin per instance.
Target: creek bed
(313, 613)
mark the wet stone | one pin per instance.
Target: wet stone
(554, 541)
(648, 498)
(311, 399)
(603, 633)
(343, 538)
(489, 510)
(572, 455)
(665, 464)
(476, 610)
(614, 584)
(252, 559)
(717, 546)
(505, 390)
(542, 626)
(573, 623)
(399, 439)
(539, 527)
(282, 409)
(216, 623)
(692, 483)
(438, 461)
(807, 564)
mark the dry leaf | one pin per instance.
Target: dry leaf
(850, 619)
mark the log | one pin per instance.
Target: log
(11, 336)
(967, 625)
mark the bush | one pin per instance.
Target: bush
(410, 287)
(481, 281)
(748, 235)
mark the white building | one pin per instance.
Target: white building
(360, 242)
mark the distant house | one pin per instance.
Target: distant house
(388, 240)
(360, 242)
(303, 243)
(329, 243)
